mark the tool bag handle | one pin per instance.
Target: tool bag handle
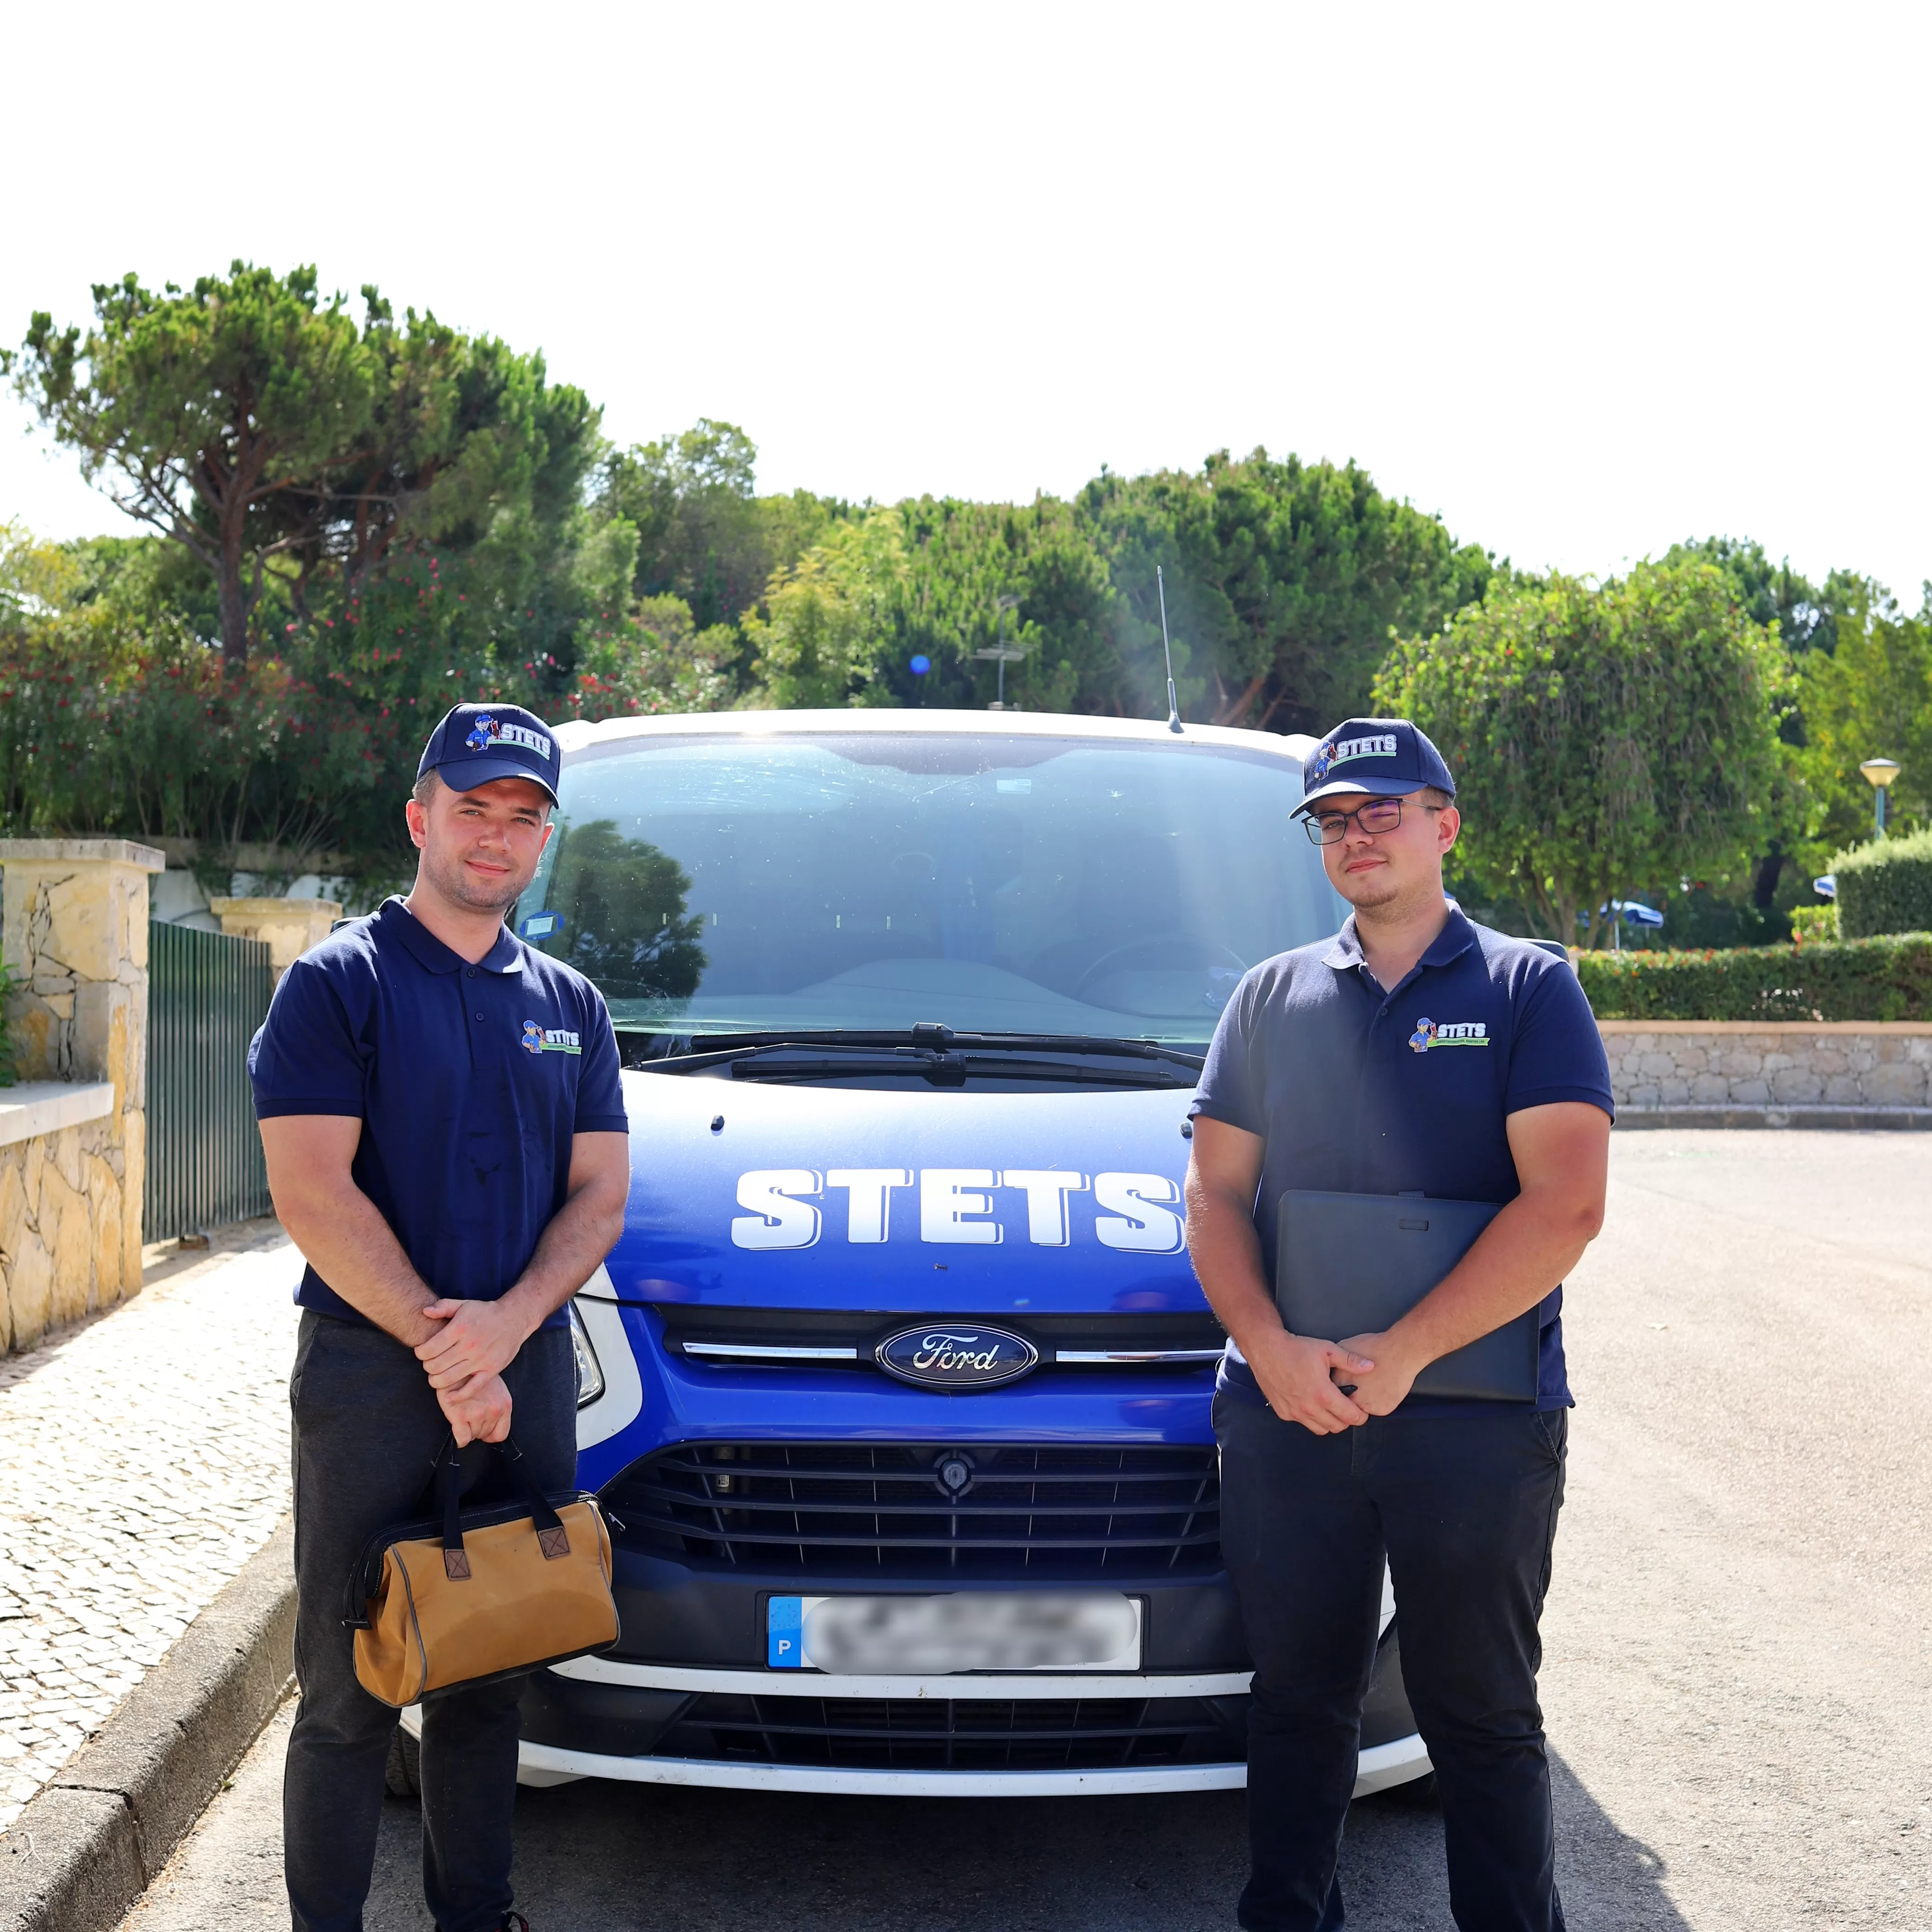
(552, 1537)
(444, 1485)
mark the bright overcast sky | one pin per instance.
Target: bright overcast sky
(1584, 279)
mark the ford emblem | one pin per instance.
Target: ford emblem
(963, 1356)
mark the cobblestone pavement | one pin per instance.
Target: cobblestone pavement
(143, 1460)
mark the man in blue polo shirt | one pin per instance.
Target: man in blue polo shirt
(446, 1137)
(1417, 1051)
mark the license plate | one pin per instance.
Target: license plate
(967, 1630)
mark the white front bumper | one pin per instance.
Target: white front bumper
(1378, 1767)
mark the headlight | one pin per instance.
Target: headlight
(590, 1375)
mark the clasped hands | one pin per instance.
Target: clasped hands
(465, 1358)
(1328, 1387)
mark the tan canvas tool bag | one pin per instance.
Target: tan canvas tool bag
(473, 1595)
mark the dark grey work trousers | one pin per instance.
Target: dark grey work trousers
(1464, 1507)
(367, 1432)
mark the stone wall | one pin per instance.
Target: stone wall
(63, 1249)
(290, 927)
(1726, 1067)
(73, 1143)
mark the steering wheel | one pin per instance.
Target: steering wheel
(1194, 949)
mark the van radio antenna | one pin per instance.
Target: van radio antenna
(1173, 705)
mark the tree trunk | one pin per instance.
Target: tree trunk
(1764, 887)
(1232, 713)
(234, 599)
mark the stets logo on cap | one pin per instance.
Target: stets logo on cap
(1339, 752)
(487, 730)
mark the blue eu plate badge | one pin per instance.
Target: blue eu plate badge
(785, 1633)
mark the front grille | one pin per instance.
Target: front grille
(843, 1509)
(926, 1734)
(822, 1339)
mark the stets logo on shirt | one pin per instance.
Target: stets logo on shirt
(1340, 751)
(488, 731)
(1448, 1033)
(538, 1038)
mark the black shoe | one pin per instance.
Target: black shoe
(515, 1922)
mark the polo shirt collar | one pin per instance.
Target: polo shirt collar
(430, 952)
(1457, 936)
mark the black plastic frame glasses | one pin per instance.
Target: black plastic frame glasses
(1375, 815)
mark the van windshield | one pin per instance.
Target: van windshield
(782, 882)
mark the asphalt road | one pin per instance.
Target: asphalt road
(1738, 1680)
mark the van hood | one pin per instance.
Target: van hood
(753, 1194)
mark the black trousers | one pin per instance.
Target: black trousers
(1464, 1507)
(367, 1432)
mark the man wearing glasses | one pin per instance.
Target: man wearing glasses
(1416, 1052)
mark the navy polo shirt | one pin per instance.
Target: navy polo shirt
(470, 1081)
(1362, 1091)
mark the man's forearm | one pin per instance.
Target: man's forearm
(343, 1237)
(1226, 1252)
(1521, 1256)
(569, 1251)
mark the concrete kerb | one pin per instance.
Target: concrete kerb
(1842, 1119)
(87, 1846)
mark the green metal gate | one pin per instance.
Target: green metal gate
(207, 993)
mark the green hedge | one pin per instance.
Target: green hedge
(1887, 978)
(1885, 887)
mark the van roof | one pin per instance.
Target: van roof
(574, 734)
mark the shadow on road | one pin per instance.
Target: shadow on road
(612, 1857)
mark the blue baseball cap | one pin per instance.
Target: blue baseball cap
(1387, 757)
(478, 744)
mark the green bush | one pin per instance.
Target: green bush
(1885, 885)
(1815, 925)
(7, 1068)
(1885, 979)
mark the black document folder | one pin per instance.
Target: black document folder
(1355, 1264)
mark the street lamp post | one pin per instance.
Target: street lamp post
(1002, 653)
(1880, 773)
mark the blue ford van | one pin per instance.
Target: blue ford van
(896, 1389)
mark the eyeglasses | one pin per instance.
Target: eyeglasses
(1377, 815)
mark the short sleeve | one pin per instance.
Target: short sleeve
(600, 1092)
(1557, 1053)
(1230, 1088)
(306, 1058)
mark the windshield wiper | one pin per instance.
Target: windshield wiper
(939, 1054)
(940, 1070)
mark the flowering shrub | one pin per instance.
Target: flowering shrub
(113, 720)
(653, 662)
